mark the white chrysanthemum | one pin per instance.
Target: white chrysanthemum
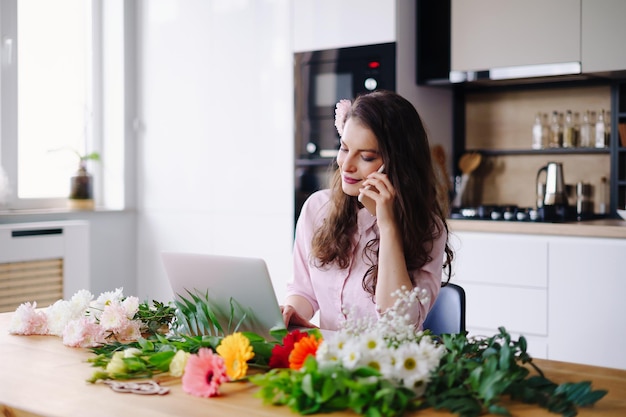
(107, 298)
(131, 331)
(113, 317)
(131, 306)
(28, 320)
(82, 332)
(59, 314)
(80, 301)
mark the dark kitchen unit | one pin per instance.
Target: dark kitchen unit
(322, 78)
(498, 89)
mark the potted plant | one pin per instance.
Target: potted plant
(81, 184)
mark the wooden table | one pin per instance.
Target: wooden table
(39, 376)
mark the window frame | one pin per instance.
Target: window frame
(112, 37)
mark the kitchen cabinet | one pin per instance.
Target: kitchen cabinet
(586, 301)
(488, 34)
(368, 22)
(603, 32)
(564, 294)
(503, 287)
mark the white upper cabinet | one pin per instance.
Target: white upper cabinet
(603, 34)
(329, 24)
(490, 34)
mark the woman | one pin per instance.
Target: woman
(379, 227)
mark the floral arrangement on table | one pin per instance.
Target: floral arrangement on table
(375, 368)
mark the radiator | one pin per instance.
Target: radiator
(42, 262)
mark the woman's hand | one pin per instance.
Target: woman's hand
(378, 195)
(291, 317)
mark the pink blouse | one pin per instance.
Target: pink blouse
(332, 290)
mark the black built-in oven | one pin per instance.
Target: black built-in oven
(322, 78)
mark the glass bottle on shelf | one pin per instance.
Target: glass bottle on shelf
(607, 127)
(576, 129)
(540, 131)
(556, 131)
(569, 137)
(587, 131)
(601, 137)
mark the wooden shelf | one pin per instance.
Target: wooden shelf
(549, 151)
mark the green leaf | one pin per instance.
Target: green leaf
(307, 385)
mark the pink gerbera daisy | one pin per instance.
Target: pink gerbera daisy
(204, 373)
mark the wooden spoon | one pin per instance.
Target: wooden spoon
(467, 163)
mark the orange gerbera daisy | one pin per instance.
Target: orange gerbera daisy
(302, 349)
(236, 351)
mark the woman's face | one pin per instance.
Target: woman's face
(358, 156)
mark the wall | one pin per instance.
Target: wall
(215, 153)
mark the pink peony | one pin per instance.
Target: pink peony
(28, 320)
(114, 317)
(129, 332)
(204, 373)
(341, 111)
(83, 332)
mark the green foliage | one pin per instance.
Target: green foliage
(197, 315)
(475, 375)
(156, 318)
(323, 390)
(472, 379)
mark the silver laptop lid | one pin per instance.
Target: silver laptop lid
(246, 281)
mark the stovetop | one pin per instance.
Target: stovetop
(549, 214)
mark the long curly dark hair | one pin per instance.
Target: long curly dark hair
(420, 212)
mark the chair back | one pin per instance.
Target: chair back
(448, 313)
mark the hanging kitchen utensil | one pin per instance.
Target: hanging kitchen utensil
(444, 185)
(439, 157)
(467, 163)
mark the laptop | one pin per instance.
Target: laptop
(245, 281)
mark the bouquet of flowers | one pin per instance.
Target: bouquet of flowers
(381, 367)
(82, 321)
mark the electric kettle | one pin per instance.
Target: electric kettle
(555, 194)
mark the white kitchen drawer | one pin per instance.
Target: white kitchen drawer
(519, 310)
(502, 259)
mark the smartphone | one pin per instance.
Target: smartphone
(380, 171)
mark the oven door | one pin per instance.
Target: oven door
(325, 77)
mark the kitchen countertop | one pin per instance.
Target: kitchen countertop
(603, 228)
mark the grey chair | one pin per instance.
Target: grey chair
(448, 313)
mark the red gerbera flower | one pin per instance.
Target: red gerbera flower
(307, 346)
(280, 353)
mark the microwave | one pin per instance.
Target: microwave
(324, 77)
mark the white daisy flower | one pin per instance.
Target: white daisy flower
(407, 360)
(351, 355)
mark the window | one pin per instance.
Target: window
(54, 56)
